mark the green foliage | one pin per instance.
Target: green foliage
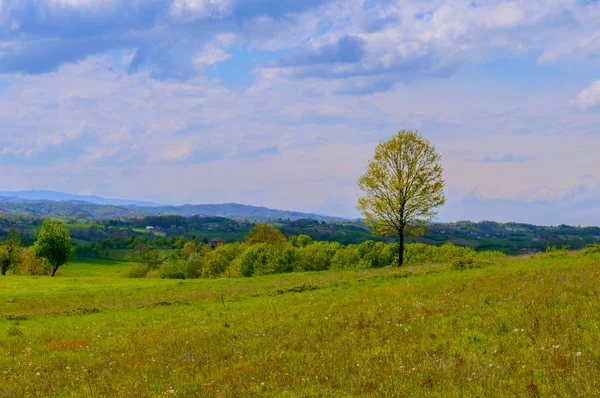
(151, 258)
(258, 259)
(592, 249)
(467, 262)
(419, 253)
(316, 256)
(30, 264)
(470, 259)
(553, 251)
(346, 257)
(173, 269)
(10, 252)
(403, 186)
(301, 240)
(217, 261)
(137, 271)
(265, 233)
(53, 243)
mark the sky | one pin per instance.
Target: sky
(281, 103)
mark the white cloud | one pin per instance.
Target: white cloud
(210, 55)
(290, 140)
(201, 8)
(589, 97)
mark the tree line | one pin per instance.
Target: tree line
(267, 251)
(52, 248)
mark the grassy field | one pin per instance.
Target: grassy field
(523, 327)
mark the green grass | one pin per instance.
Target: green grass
(87, 267)
(512, 329)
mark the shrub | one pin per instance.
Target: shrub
(152, 259)
(468, 262)
(449, 252)
(420, 253)
(173, 269)
(137, 271)
(192, 269)
(316, 257)
(346, 257)
(258, 259)
(286, 259)
(553, 251)
(589, 249)
(389, 255)
(216, 262)
(32, 265)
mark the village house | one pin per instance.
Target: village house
(216, 242)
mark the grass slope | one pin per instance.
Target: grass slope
(522, 327)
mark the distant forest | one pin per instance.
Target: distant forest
(90, 211)
(109, 235)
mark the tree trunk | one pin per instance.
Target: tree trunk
(401, 249)
(54, 271)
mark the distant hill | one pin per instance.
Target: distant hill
(63, 197)
(101, 208)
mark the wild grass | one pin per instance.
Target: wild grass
(520, 327)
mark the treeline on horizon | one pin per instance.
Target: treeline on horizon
(108, 238)
(264, 250)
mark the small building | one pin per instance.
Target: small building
(216, 242)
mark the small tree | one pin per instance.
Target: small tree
(10, 250)
(403, 185)
(152, 259)
(53, 243)
(265, 233)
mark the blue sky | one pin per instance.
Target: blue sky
(281, 102)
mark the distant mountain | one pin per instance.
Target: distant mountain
(46, 203)
(65, 197)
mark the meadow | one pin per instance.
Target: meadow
(519, 327)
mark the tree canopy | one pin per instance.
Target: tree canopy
(402, 187)
(265, 233)
(10, 250)
(53, 243)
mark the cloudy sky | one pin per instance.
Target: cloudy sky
(281, 102)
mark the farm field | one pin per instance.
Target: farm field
(524, 327)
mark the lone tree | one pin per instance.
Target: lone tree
(53, 243)
(403, 185)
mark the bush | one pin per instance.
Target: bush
(346, 257)
(553, 251)
(192, 269)
(173, 269)
(316, 256)
(468, 262)
(258, 259)
(217, 261)
(449, 252)
(420, 253)
(137, 271)
(589, 249)
(32, 265)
